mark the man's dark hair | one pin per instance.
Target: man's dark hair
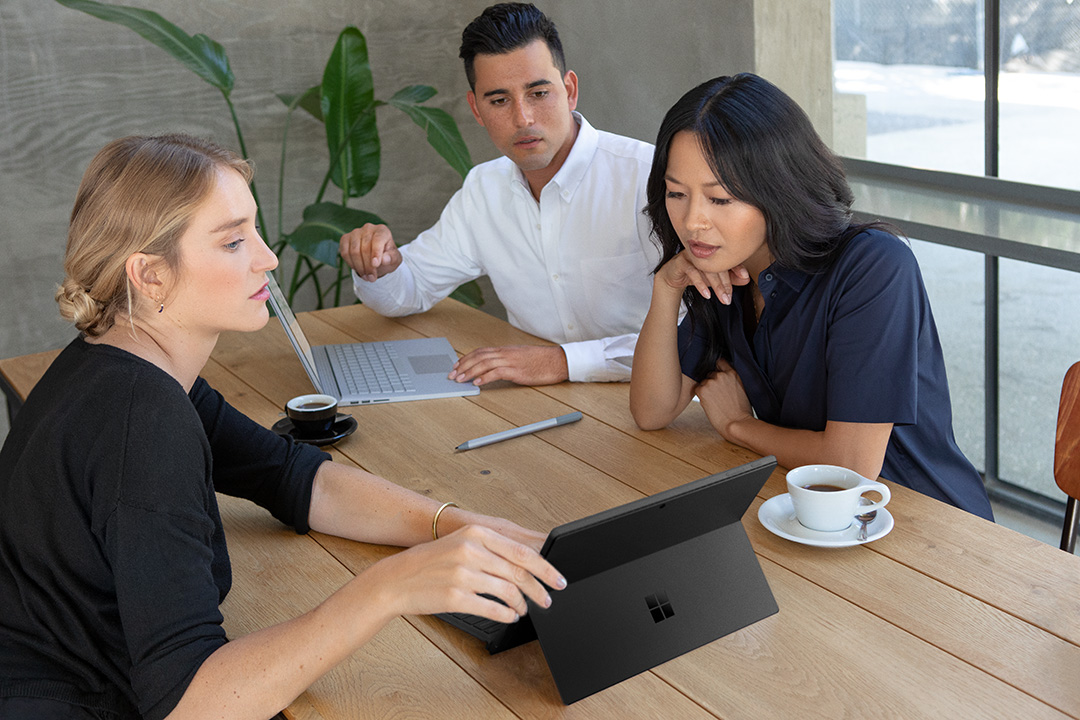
(505, 27)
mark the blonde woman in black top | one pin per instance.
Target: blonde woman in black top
(112, 554)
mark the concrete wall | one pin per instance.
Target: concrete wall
(793, 48)
(69, 83)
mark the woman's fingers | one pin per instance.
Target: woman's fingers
(517, 565)
(476, 561)
(709, 283)
(706, 283)
(685, 274)
(721, 283)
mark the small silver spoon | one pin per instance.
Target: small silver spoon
(865, 519)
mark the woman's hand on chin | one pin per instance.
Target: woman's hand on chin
(679, 273)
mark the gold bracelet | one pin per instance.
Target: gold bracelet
(435, 520)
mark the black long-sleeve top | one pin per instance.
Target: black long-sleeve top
(112, 553)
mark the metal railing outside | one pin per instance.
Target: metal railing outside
(994, 217)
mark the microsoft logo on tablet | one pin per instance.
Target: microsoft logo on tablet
(659, 606)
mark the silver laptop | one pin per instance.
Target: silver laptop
(373, 372)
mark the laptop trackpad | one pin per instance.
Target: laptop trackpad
(429, 364)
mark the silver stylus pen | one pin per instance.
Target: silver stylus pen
(518, 431)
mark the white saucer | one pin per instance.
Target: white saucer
(778, 517)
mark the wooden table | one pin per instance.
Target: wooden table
(947, 616)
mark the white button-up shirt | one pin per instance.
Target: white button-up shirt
(573, 268)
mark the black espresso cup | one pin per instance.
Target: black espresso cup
(312, 415)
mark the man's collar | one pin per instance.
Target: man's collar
(577, 160)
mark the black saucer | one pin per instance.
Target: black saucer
(344, 426)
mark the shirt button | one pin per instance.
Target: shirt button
(555, 277)
(537, 226)
(768, 277)
(570, 326)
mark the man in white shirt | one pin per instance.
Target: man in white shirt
(556, 223)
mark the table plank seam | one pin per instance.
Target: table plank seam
(700, 464)
(977, 598)
(794, 570)
(908, 632)
(682, 692)
(411, 620)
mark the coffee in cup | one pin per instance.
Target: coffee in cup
(312, 415)
(827, 497)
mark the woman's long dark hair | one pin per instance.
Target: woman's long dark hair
(764, 150)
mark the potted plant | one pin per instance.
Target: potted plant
(344, 102)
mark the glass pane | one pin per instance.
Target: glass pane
(1038, 339)
(954, 281)
(1039, 92)
(908, 82)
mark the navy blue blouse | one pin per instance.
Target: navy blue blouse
(855, 343)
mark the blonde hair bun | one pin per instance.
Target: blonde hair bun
(78, 307)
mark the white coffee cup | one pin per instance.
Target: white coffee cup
(827, 497)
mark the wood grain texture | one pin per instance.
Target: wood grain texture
(976, 632)
(823, 657)
(1001, 584)
(22, 373)
(279, 575)
(948, 616)
(381, 679)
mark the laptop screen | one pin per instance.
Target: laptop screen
(292, 329)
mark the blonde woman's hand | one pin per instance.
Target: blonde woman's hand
(449, 574)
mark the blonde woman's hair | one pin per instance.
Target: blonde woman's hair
(138, 195)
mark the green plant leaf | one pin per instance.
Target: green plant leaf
(310, 100)
(470, 294)
(348, 106)
(442, 131)
(414, 94)
(319, 235)
(200, 54)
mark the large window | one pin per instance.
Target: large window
(915, 65)
(912, 81)
(1039, 92)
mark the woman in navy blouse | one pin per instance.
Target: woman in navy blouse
(830, 353)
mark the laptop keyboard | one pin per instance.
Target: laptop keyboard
(369, 368)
